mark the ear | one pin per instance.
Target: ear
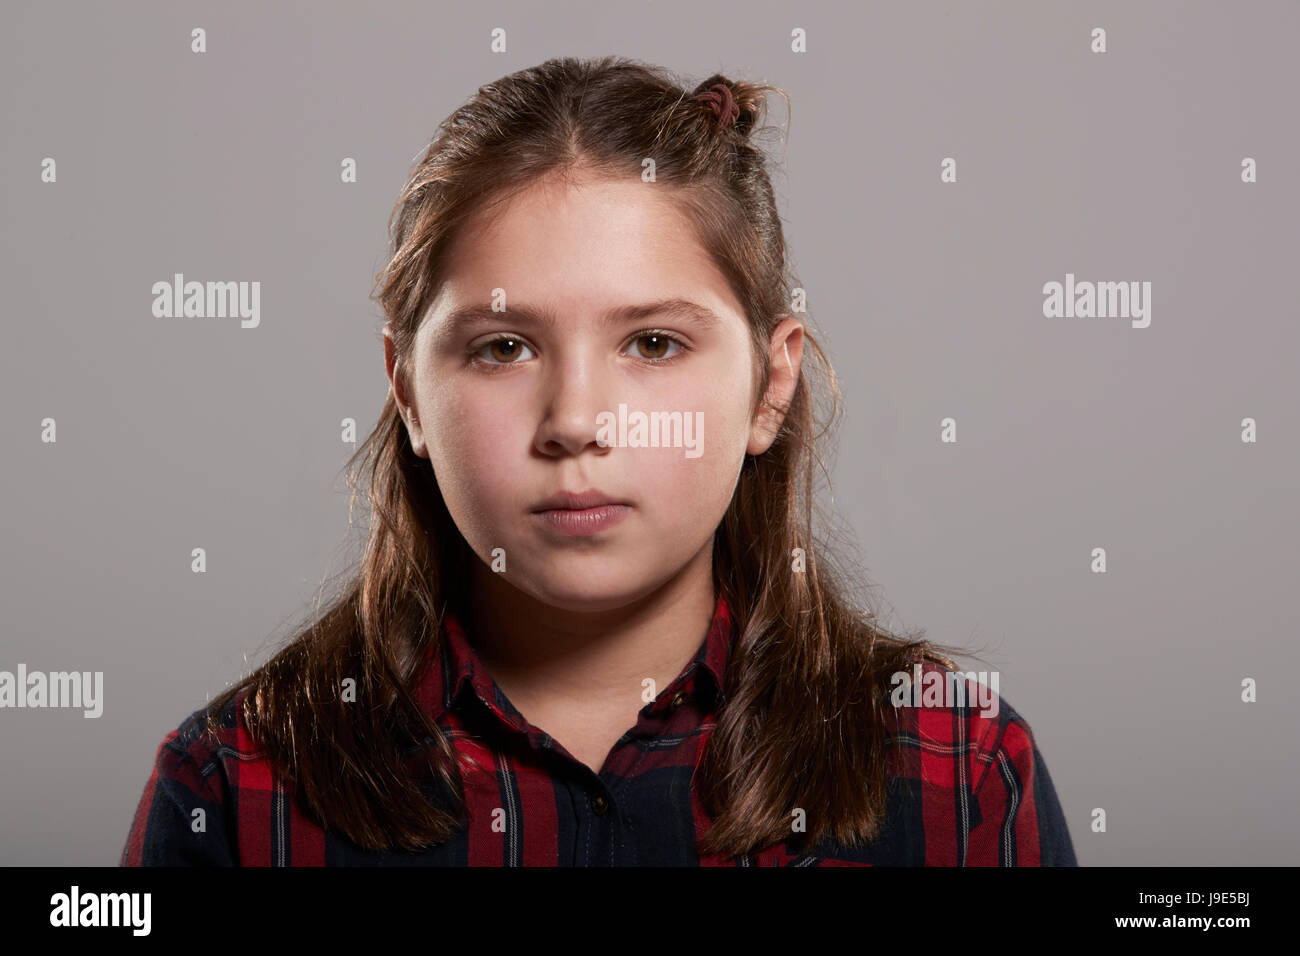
(786, 354)
(403, 401)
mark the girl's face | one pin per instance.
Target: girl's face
(508, 405)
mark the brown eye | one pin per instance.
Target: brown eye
(658, 347)
(504, 351)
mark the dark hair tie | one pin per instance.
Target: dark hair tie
(723, 104)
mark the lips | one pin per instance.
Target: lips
(577, 501)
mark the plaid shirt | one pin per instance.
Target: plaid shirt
(965, 788)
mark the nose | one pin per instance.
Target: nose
(576, 390)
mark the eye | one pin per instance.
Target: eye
(659, 343)
(505, 350)
(654, 346)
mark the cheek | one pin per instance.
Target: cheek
(469, 447)
(689, 485)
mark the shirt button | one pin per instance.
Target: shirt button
(678, 700)
(599, 804)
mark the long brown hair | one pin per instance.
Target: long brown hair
(803, 722)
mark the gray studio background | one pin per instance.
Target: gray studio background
(1072, 433)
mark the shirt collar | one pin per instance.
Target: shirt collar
(456, 669)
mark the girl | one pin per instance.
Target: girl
(591, 626)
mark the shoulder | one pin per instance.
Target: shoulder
(964, 746)
(211, 743)
(941, 715)
(186, 812)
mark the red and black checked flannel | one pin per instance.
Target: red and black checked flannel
(965, 789)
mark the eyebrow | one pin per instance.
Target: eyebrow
(675, 308)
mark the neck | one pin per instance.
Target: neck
(543, 656)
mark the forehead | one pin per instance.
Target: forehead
(584, 243)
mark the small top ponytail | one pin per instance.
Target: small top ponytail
(734, 105)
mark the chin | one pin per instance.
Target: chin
(582, 593)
